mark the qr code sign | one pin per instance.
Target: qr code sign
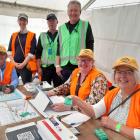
(26, 136)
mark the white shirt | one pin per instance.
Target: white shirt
(100, 109)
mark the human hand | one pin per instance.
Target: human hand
(20, 65)
(108, 123)
(50, 93)
(59, 107)
(58, 71)
(8, 89)
(16, 64)
(75, 100)
(39, 71)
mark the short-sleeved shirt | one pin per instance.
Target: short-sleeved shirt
(19, 56)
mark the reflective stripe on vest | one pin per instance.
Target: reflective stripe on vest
(7, 74)
(72, 43)
(49, 49)
(30, 35)
(85, 88)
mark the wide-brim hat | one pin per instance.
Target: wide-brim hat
(126, 61)
(86, 53)
(2, 49)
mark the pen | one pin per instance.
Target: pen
(71, 124)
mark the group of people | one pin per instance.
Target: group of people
(54, 55)
(66, 57)
(119, 109)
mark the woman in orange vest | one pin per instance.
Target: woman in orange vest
(21, 50)
(120, 107)
(8, 75)
(86, 82)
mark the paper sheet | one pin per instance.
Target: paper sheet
(57, 99)
(41, 101)
(75, 118)
(13, 96)
(16, 111)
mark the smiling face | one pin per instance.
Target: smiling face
(22, 23)
(124, 77)
(74, 12)
(85, 64)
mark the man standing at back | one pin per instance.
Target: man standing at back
(22, 49)
(46, 52)
(73, 36)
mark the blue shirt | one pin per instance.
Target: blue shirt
(14, 78)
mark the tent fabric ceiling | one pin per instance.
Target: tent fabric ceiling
(112, 3)
(61, 5)
(58, 5)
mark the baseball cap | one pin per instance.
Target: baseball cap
(126, 61)
(51, 16)
(22, 15)
(86, 53)
(2, 49)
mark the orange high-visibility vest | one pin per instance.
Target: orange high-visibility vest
(85, 88)
(32, 64)
(7, 74)
(133, 119)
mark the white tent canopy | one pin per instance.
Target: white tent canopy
(115, 24)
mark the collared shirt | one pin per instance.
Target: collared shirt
(14, 78)
(89, 36)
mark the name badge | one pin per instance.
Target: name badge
(49, 51)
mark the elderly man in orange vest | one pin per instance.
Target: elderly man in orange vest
(22, 48)
(8, 75)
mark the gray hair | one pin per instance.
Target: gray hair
(74, 2)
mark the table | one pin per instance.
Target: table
(86, 129)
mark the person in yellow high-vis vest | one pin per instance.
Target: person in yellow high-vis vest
(46, 52)
(73, 36)
(21, 50)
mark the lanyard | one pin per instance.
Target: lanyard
(49, 40)
(78, 85)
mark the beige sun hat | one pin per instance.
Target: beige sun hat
(86, 53)
(126, 61)
(2, 49)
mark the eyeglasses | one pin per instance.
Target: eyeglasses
(126, 72)
(83, 60)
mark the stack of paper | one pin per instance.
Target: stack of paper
(75, 119)
(16, 111)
